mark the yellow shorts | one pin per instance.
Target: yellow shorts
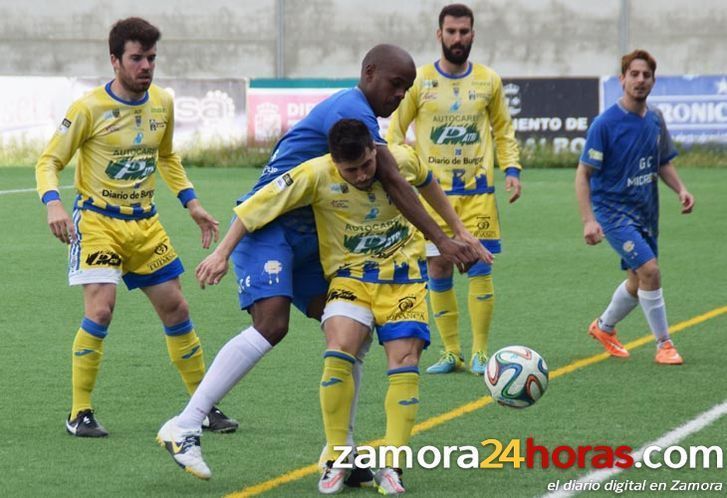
(109, 249)
(397, 311)
(478, 214)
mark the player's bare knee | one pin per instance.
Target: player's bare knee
(649, 275)
(439, 267)
(273, 328)
(101, 314)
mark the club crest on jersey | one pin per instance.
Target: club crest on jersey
(430, 84)
(341, 188)
(137, 120)
(273, 267)
(138, 138)
(628, 246)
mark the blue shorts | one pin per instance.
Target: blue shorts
(278, 261)
(635, 245)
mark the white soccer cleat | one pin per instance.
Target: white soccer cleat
(332, 479)
(183, 445)
(388, 481)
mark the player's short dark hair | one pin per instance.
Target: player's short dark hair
(132, 29)
(348, 140)
(456, 10)
(627, 59)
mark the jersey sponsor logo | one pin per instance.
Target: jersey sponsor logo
(130, 169)
(407, 302)
(155, 125)
(343, 294)
(158, 263)
(137, 119)
(376, 242)
(284, 181)
(452, 135)
(640, 180)
(428, 96)
(339, 204)
(161, 249)
(103, 258)
(138, 138)
(595, 155)
(64, 126)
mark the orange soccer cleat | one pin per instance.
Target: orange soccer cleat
(609, 341)
(667, 355)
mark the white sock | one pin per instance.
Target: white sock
(652, 303)
(622, 303)
(234, 360)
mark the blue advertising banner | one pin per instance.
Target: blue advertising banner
(694, 107)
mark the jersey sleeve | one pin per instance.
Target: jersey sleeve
(508, 151)
(411, 168)
(70, 135)
(289, 191)
(170, 164)
(361, 112)
(595, 145)
(403, 116)
(667, 150)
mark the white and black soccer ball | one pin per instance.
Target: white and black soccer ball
(516, 376)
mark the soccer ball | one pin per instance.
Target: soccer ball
(516, 376)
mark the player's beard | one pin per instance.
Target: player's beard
(457, 59)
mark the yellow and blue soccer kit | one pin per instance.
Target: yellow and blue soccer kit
(376, 264)
(459, 122)
(120, 146)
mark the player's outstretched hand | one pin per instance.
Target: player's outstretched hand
(209, 226)
(592, 233)
(211, 270)
(60, 223)
(687, 201)
(513, 186)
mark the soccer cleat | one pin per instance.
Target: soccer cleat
(447, 363)
(332, 480)
(360, 477)
(183, 445)
(478, 363)
(388, 481)
(85, 425)
(218, 422)
(609, 341)
(667, 354)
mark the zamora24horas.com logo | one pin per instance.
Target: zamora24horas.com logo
(496, 454)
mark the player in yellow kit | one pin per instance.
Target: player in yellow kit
(123, 134)
(460, 117)
(375, 262)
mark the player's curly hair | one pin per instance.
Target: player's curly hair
(348, 140)
(456, 10)
(627, 59)
(132, 29)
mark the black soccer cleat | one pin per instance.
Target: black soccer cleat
(85, 425)
(216, 421)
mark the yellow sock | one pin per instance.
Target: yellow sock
(85, 363)
(185, 351)
(336, 391)
(445, 312)
(481, 302)
(402, 404)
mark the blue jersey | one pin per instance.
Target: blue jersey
(308, 139)
(626, 151)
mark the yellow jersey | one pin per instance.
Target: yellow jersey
(120, 145)
(456, 119)
(361, 233)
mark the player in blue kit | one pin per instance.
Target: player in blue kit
(628, 148)
(280, 263)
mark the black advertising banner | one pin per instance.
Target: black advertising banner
(553, 112)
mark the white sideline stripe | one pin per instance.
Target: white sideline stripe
(670, 438)
(22, 190)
